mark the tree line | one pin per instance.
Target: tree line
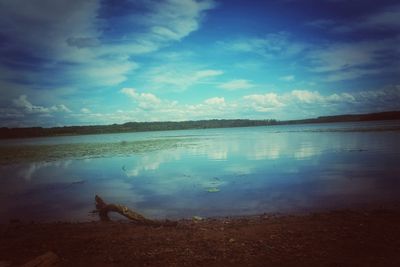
(182, 125)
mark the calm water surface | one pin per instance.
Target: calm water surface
(212, 172)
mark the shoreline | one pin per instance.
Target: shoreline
(356, 237)
(129, 127)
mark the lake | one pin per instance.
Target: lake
(207, 172)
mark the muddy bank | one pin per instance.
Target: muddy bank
(338, 238)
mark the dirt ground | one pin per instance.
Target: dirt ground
(337, 238)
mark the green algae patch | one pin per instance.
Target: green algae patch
(33, 153)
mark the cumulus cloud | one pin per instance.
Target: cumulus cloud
(24, 104)
(293, 104)
(220, 101)
(343, 97)
(152, 108)
(144, 100)
(301, 101)
(87, 45)
(60, 108)
(263, 103)
(306, 96)
(237, 85)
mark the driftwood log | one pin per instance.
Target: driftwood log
(103, 209)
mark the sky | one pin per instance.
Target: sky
(85, 62)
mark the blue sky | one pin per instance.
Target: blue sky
(70, 62)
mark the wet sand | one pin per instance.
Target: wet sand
(368, 237)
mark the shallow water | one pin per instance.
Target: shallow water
(210, 172)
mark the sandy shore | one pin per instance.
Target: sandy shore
(337, 238)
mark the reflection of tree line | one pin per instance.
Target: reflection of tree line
(182, 125)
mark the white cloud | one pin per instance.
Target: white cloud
(290, 105)
(60, 108)
(237, 85)
(105, 73)
(316, 98)
(10, 114)
(332, 61)
(352, 60)
(344, 61)
(263, 103)
(72, 32)
(380, 97)
(303, 101)
(220, 101)
(307, 96)
(386, 19)
(144, 100)
(272, 45)
(61, 32)
(321, 23)
(287, 78)
(179, 78)
(51, 23)
(341, 56)
(23, 103)
(152, 108)
(173, 19)
(251, 45)
(343, 97)
(85, 110)
(207, 73)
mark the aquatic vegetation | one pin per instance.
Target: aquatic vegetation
(28, 153)
(213, 190)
